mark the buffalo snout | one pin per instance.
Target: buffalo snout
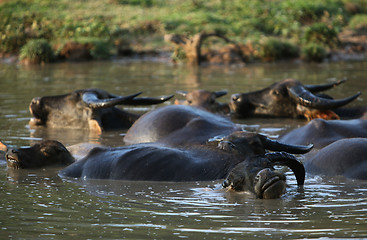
(241, 105)
(12, 159)
(269, 184)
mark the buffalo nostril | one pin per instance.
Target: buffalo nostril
(263, 173)
(226, 183)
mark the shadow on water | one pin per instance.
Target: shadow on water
(37, 204)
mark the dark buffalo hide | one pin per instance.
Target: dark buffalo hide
(179, 125)
(87, 108)
(240, 156)
(289, 98)
(321, 132)
(346, 157)
(215, 160)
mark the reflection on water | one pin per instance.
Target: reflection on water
(37, 204)
(41, 205)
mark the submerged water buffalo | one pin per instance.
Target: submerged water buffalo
(320, 132)
(43, 154)
(178, 125)
(340, 146)
(240, 157)
(346, 157)
(215, 160)
(289, 98)
(87, 108)
(204, 99)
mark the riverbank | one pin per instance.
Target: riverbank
(46, 31)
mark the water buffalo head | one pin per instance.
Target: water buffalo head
(249, 143)
(204, 99)
(45, 153)
(88, 108)
(288, 98)
(256, 173)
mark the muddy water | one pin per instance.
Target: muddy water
(37, 204)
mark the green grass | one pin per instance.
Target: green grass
(37, 51)
(142, 23)
(314, 52)
(273, 49)
(359, 22)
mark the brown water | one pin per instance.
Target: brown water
(37, 204)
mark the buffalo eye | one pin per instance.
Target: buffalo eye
(49, 151)
(36, 101)
(275, 92)
(45, 152)
(226, 146)
(236, 98)
(257, 178)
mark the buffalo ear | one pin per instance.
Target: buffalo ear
(236, 179)
(95, 126)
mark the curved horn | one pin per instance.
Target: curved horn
(92, 100)
(147, 100)
(324, 87)
(274, 145)
(220, 93)
(290, 161)
(181, 92)
(304, 97)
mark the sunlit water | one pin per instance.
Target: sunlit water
(37, 204)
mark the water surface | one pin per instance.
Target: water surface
(37, 204)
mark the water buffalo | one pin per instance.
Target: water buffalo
(215, 160)
(87, 108)
(204, 99)
(261, 179)
(43, 154)
(157, 162)
(346, 157)
(178, 124)
(352, 112)
(289, 98)
(339, 146)
(322, 132)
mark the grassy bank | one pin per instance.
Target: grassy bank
(122, 27)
